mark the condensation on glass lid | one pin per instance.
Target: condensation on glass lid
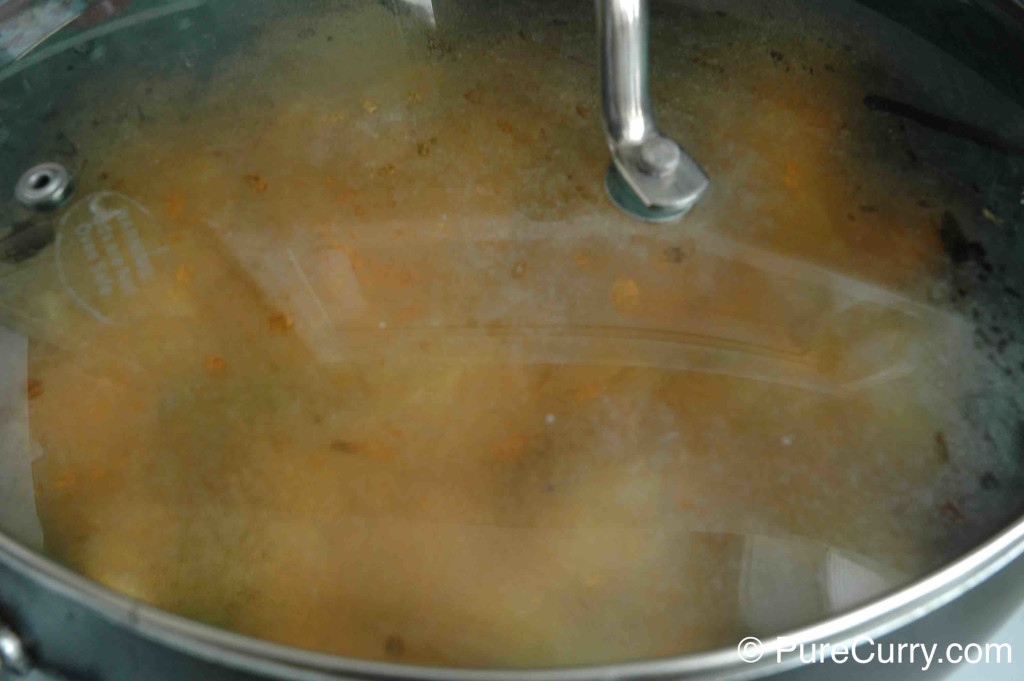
(339, 343)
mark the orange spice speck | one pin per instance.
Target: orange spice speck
(214, 364)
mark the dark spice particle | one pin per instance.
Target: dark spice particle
(941, 448)
(989, 482)
(65, 147)
(956, 245)
(394, 646)
(33, 388)
(343, 446)
(674, 254)
(950, 511)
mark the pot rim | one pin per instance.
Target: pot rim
(877, 618)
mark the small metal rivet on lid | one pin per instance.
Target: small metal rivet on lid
(44, 187)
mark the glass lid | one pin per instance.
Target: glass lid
(317, 322)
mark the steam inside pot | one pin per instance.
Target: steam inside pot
(340, 344)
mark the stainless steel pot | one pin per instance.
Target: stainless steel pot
(55, 622)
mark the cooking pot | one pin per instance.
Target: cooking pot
(426, 340)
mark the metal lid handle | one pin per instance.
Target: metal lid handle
(652, 166)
